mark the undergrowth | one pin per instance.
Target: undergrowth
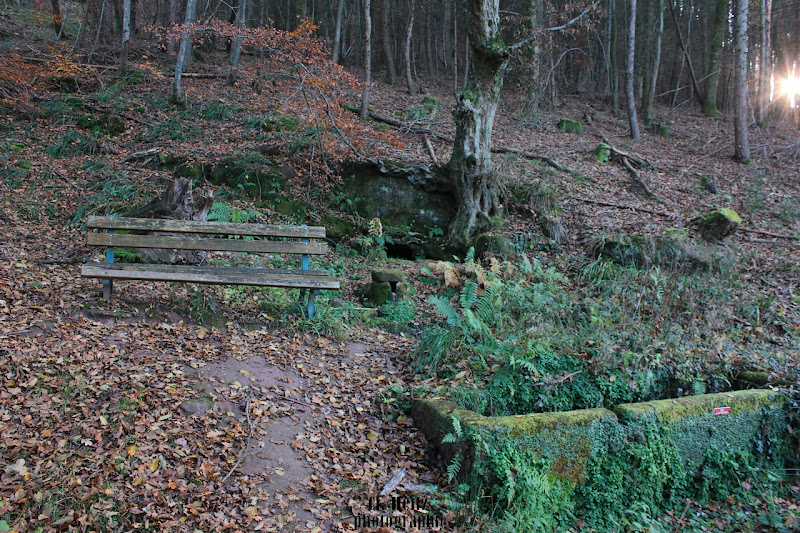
(523, 339)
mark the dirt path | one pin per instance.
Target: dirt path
(332, 439)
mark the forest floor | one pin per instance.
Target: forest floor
(203, 409)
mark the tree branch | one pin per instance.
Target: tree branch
(582, 14)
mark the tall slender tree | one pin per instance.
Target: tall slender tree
(740, 122)
(126, 36)
(337, 33)
(183, 51)
(236, 48)
(386, 34)
(407, 48)
(367, 59)
(765, 61)
(629, 63)
(717, 39)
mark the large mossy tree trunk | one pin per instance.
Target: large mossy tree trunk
(470, 166)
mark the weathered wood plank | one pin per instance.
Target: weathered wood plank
(207, 228)
(209, 244)
(275, 280)
(245, 271)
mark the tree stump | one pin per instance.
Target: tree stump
(177, 202)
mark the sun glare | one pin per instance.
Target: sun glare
(791, 86)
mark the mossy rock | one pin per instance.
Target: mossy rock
(337, 229)
(191, 171)
(389, 275)
(716, 225)
(659, 128)
(754, 377)
(24, 165)
(277, 122)
(290, 207)
(570, 126)
(675, 252)
(106, 124)
(379, 293)
(495, 244)
(602, 153)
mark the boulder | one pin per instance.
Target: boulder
(496, 244)
(391, 275)
(716, 225)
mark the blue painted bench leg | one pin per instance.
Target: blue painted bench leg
(312, 295)
(108, 284)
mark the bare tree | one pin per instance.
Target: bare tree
(236, 49)
(634, 123)
(126, 36)
(186, 43)
(765, 61)
(717, 38)
(367, 59)
(407, 53)
(391, 71)
(741, 138)
(337, 34)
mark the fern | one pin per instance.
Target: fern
(455, 466)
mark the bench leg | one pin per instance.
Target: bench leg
(108, 286)
(312, 295)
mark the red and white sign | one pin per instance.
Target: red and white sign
(722, 410)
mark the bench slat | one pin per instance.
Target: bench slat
(209, 244)
(207, 268)
(208, 228)
(131, 272)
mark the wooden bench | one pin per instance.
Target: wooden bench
(209, 236)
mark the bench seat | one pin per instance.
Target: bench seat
(211, 275)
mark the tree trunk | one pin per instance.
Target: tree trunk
(236, 49)
(186, 43)
(337, 33)
(765, 62)
(173, 18)
(58, 21)
(740, 123)
(686, 54)
(407, 50)
(649, 89)
(367, 59)
(718, 36)
(470, 164)
(634, 124)
(391, 71)
(177, 202)
(126, 36)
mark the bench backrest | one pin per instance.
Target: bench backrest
(209, 236)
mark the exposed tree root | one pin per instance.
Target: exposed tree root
(444, 138)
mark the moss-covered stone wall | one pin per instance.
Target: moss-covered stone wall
(598, 461)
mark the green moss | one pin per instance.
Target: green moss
(523, 424)
(380, 293)
(755, 377)
(290, 207)
(570, 126)
(730, 214)
(23, 164)
(673, 410)
(337, 228)
(602, 153)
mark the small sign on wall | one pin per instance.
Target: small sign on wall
(722, 410)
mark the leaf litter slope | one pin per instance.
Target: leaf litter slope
(92, 436)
